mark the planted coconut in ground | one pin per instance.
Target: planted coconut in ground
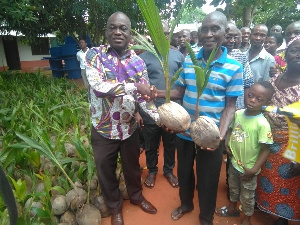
(171, 114)
(204, 131)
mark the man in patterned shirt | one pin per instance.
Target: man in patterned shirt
(118, 81)
(229, 42)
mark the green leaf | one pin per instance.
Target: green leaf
(176, 75)
(40, 212)
(59, 189)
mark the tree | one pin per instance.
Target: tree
(76, 18)
(269, 12)
(192, 15)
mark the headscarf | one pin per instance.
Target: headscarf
(291, 41)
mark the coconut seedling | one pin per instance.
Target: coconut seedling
(204, 130)
(172, 115)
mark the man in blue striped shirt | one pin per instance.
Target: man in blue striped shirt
(218, 102)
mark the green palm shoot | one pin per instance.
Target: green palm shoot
(202, 74)
(153, 22)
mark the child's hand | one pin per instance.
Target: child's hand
(248, 174)
(228, 150)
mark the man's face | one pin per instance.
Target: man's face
(212, 33)
(174, 40)
(246, 32)
(82, 44)
(276, 29)
(118, 32)
(230, 39)
(258, 36)
(194, 38)
(183, 36)
(292, 31)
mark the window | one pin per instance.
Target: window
(41, 47)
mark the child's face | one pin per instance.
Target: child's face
(257, 96)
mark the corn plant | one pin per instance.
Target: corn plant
(153, 21)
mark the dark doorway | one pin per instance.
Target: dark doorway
(11, 52)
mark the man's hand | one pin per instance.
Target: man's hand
(248, 174)
(273, 71)
(147, 92)
(139, 120)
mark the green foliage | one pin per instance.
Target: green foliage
(153, 21)
(74, 18)
(192, 15)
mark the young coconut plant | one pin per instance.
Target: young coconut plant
(172, 115)
(204, 130)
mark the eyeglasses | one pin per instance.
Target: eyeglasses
(230, 37)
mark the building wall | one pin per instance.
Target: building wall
(3, 63)
(28, 61)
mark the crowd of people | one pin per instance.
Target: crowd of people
(252, 68)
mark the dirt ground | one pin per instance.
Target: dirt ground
(165, 199)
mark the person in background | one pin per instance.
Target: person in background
(238, 41)
(118, 82)
(272, 43)
(81, 58)
(278, 185)
(184, 35)
(248, 144)
(174, 41)
(260, 60)
(277, 29)
(226, 79)
(194, 42)
(291, 31)
(245, 45)
(152, 132)
(232, 35)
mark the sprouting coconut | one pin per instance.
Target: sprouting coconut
(59, 204)
(69, 218)
(171, 114)
(70, 150)
(205, 133)
(87, 215)
(75, 198)
(100, 204)
(32, 204)
(204, 130)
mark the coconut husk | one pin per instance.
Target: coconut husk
(205, 133)
(87, 215)
(100, 204)
(76, 198)
(174, 117)
(69, 218)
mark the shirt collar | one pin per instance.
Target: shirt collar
(262, 54)
(221, 59)
(111, 50)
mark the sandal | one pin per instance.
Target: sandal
(150, 181)
(224, 212)
(173, 181)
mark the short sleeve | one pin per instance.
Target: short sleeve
(265, 134)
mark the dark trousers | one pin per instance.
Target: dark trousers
(208, 167)
(106, 153)
(152, 136)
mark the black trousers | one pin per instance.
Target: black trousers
(106, 153)
(152, 135)
(208, 167)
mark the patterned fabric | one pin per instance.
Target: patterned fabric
(113, 91)
(248, 133)
(277, 191)
(280, 62)
(226, 80)
(247, 74)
